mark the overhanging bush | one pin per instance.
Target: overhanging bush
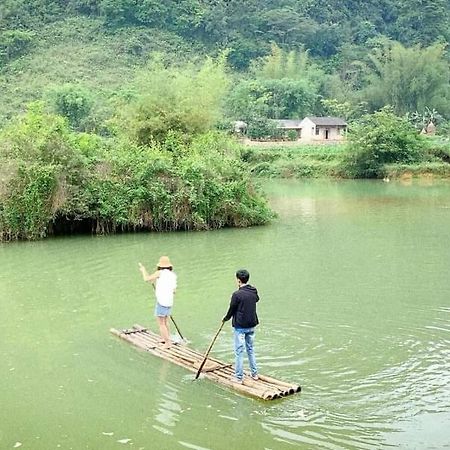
(54, 180)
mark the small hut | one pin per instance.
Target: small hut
(431, 128)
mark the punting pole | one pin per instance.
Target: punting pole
(209, 349)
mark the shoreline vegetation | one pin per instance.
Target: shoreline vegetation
(118, 116)
(295, 160)
(55, 180)
(379, 145)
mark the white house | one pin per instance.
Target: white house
(322, 129)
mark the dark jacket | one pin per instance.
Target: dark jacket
(243, 307)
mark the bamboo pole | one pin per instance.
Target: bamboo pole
(175, 352)
(176, 326)
(290, 386)
(265, 394)
(175, 349)
(209, 349)
(264, 388)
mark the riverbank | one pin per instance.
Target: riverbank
(55, 181)
(299, 160)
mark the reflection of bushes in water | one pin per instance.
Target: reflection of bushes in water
(59, 183)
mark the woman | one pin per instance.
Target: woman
(164, 281)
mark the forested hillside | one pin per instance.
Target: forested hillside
(341, 57)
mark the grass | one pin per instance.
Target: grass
(80, 50)
(325, 161)
(301, 161)
(435, 169)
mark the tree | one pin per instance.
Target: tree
(271, 98)
(284, 85)
(285, 26)
(422, 22)
(184, 99)
(14, 43)
(73, 102)
(409, 79)
(44, 169)
(378, 139)
(346, 109)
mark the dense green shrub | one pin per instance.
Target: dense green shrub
(28, 209)
(54, 180)
(378, 139)
(73, 102)
(184, 99)
(262, 128)
(292, 135)
(42, 172)
(14, 43)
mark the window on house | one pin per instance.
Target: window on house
(317, 131)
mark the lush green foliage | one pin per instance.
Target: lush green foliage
(282, 85)
(14, 43)
(291, 54)
(186, 99)
(72, 102)
(56, 180)
(125, 140)
(379, 139)
(296, 160)
(408, 79)
(321, 27)
(291, 160)
(262, 128)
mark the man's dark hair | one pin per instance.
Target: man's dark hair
(242, 275)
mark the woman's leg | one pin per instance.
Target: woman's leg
(168, 343)
(163, 330)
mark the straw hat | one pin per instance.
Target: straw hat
(164, 262)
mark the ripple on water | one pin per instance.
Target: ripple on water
(407, 376)
(193, 446)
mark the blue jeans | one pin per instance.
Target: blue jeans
(244, 336)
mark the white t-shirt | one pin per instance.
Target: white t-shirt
(165, 286)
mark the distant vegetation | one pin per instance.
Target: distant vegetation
(285, 58)
(379, 145)
(131, 95)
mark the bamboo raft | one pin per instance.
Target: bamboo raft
(266, 388)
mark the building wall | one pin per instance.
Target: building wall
(311, 132)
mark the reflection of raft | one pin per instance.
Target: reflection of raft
(266, 388)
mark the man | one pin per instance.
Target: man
(243, 311)
(164, 281)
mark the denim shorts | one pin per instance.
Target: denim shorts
(162, 311)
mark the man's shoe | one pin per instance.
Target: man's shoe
(255, 377)
(236, 380)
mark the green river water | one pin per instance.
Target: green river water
(355, 306)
